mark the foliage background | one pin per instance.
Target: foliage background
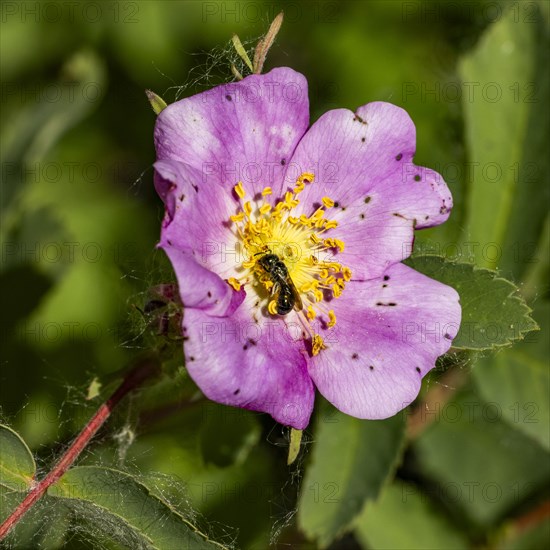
(80, 220)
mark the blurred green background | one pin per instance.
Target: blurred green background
(80, 220)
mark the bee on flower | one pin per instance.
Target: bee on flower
(287, 242)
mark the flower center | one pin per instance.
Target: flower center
(288, 259)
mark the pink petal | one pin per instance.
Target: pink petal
(388, 335)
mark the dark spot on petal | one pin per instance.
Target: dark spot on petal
(362, 216)
(371, 367)
(236, 392)
(418, 177)
(169, 242)
(252, 342)
(367, 200)
(448, 336)
(355, 356)
(209, 294)
(384, 286)
(195, 187)
(283, 162)
(191, 358)
(336, 204)
(379, 304)
(417, 369)
(414, 223)
(398, 215)
(399, 156)
(359, 119)
(245, 347)
(427, 218)
(363, 139)
(392, 304)
(181, 197)
(386, 277)
(228, 97)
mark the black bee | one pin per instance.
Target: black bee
(283, 288)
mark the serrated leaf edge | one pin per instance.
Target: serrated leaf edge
(150, 494)
(511, 295)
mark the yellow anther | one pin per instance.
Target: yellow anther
(247, 207)
(267, 191)
(293, 220)
(346, 272)
(332, 318)
(311, 313)
(340, 244)
(317, 345)
(331, 224)
(265, 208)
(299, 188)
(330, 280)
(306, 287)
(234, 283)
(336, 290)
(328, 202)
(249, 264)
(323, 274)
(318, 295)
(288, 197)
(317, 214)
(306, 177)
(237, 217)
(239, 189)
(314, 238)
(272, 307)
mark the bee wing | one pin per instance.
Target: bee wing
(298, 306)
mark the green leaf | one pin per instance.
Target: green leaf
(351, 460)
(294, 447)
(493, 313)
(38, 126)
(418, 525)
(479, 465)
(45, 525)
(124, 509)
(17, 467)
(526, 537)
(518, 380)
(506, 86)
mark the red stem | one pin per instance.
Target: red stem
(133, 379)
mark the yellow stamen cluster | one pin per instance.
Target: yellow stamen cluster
(297, 240)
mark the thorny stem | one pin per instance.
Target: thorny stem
(139, 374)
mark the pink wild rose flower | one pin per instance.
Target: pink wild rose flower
(287, 243)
